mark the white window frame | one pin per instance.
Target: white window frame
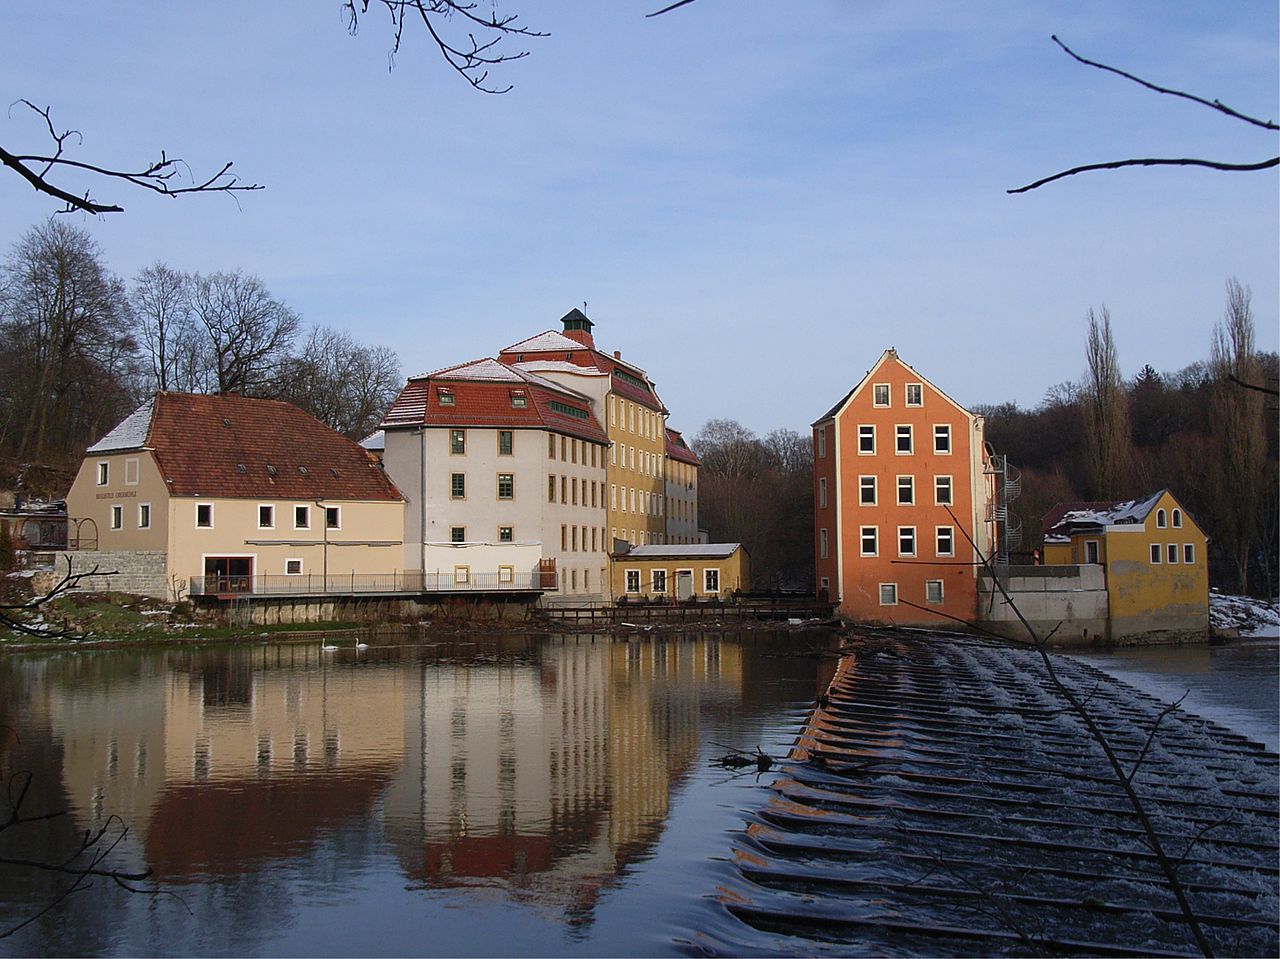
(878, 389)
(823, 546)
(337, 510)
(940, 431)
(630, 577)
(867, 431)
(117, 516)
(911, 489)
(822, 492)
(875, 490)
(1171, 554)
(707, 573)
(897, 436)
(822, 442)
(104, 473)
(147, 508)
(290, 572)
(906, 395)
(306, 513)
(272, 508)
(951, 490)
(941, 588)
(893, 587)
(862, 541)
(1096, 547)
(1156, 554)
(654, 575)
(1176, 518)
(907, 531)
(1162, 519)
(1188, 553)
(937, 540)
(210, 524)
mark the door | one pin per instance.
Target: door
(684, 584)
(228, 574)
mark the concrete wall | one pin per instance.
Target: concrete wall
(136, 571)
(1075, 596)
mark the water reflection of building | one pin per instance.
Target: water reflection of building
(551, 774)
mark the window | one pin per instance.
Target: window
(866, 440)
(870, 545)
(457, 485)
(457, 534)
(1171, 554)
(613, 496)
(880, 394)
(117, 517)
(933, 592)
(573, 538)
(822, 543)
(867, 490)
(293, 567)
(131, 472)
(506, 486)
(564, 487)
(551, 487)
(822, 492)
(906, 541)
(1189, 553)
(594, 501)
(888, 594)
(595, 530)
(1162, 519)
(506, 574)
(942, 438)
(204, 515)
(573, 485)
(506, 442)
(104, 472)
(905, 444)
(826, 582)
(822, 442)
(461, 575)
(266, 517)
(1155, 553)
(573, 450)
(915, 394)
(457, 441)
(1091, 552)
(564, 538)
(144, 516)
(659, 580)
(551, 445)
(333, 517)
(1177, 519)
(633, 581)
(942, 490)
(711, 580)
(945, 541)
(518, 400)
(564, 449)
(444, 395)
(906, 490)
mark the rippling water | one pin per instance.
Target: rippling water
(505, 795)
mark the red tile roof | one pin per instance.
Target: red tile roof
(235, 446)
(550, 345)
(482, 393)
(678, 449)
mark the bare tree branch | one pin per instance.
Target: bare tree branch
(1211, 104)
(1151, 161)
(667, 9)
(1253, 386)
(161, 176)
(14, 615)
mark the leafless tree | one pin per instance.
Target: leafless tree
(1239, 427)
(1106, 413)
(161, 299)
(65, 319)
(343, 384)
(247, 331)
(1216, 105)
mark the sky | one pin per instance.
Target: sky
(754, 199)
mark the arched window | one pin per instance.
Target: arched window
(1177, 519)
(1161, 519)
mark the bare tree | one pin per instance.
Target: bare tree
(66, 319)
(343, 384)
(1216, 105)
(1239, 428)
(1106, 413)
(161, 299)
(248, 331)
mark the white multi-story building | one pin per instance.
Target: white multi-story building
(505, 476)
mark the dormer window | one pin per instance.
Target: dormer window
(519, 400)
(445, 396)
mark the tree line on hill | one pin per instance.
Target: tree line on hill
(84, 347)
(1207, 432)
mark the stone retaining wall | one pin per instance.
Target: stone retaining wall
(135, 571)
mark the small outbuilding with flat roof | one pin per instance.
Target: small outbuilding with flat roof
(679, 573)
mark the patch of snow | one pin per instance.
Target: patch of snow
(1252, 617)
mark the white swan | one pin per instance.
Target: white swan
(327, 648)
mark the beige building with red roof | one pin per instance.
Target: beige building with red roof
(226, 493)
(632, 413)
(504, 472)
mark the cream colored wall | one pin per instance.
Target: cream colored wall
(88, 500)
(235, 532)
(735, 574)
(632, 426)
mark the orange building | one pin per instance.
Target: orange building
(900, 478)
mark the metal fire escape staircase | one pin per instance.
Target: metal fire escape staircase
(1007, 483)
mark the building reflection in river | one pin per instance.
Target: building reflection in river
(541, 766)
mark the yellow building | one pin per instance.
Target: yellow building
(680, 572)
(1153, 556)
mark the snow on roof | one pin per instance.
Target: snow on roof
(549, 341)
(1122, 513)
(377, 440)
(486, 368)
(131, 434)
(559, 366)
(700, 550)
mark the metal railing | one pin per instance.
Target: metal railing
(350, 584)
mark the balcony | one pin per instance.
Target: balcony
(367, 584)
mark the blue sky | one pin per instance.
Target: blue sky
(753, 198)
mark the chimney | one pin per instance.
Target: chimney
(578, 328)
(617, 354)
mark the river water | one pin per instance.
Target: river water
(489, 796)
(504, 795)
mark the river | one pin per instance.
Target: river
(517, 795)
